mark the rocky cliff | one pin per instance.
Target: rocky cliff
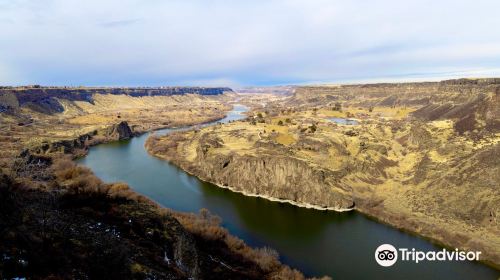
(274, 177)
(268, 173)
(47, 99)
(119, 131)
(473, 103)
(396, 94)
(63, 118)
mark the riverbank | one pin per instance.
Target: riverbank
(61, 231)
(245, 193)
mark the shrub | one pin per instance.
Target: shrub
(207, 226)
(204, 225)
(81, 180)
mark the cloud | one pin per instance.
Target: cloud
(132, 42)
(119, 23)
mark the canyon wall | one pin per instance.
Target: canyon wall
(272, 176)
(396, 94)
(46, 99)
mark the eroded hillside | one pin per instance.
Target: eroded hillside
(41, 117)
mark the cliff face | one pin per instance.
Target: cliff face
(275, 177)
(396, 94)
(268, 174)
(119, 131)
(473, 103)
(60, 119)
(46, 99)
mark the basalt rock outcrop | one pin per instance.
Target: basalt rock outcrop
(46, 99)
(120, 131)
(473, 103)
(269, 175)
(396, 94)
(276, 177)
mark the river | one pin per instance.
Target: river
(340, 245)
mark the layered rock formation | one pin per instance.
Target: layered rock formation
(396, 94)
(116, 132)
(60, 119)
(46, 99)
(274, 177)
(120, 131)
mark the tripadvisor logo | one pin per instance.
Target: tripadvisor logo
(387, 255)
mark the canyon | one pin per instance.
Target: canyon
(423, 157)
(59, 220)
(420, 157)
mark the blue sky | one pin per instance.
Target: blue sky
(239, 43)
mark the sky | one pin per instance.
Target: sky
(244, 43)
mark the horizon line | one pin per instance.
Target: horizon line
(309, 83)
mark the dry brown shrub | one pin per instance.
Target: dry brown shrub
(117, 188)
(287, 273)
(208, 227)
(76, 178)
(122, 190)
(63, 168)
(81, 179)
(204, 225)
(267, 258)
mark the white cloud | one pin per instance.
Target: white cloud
(167, 42)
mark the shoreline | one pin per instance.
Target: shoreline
(273, 199)
(140, 133)
(266, 197)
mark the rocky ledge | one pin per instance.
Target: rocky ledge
(272, 177)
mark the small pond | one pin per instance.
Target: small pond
(344, 121)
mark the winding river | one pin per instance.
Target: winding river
(340, 245)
